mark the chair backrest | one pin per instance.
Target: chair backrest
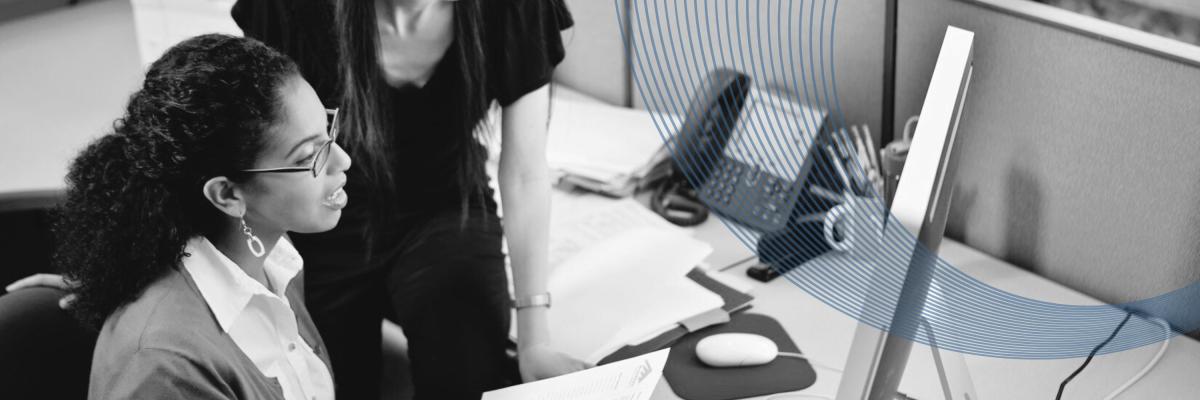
(26, 243)
(44, 352)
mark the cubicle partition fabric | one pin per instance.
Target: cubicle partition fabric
(595, 62)
(11, 9)
(1080, 158)
(751, 36)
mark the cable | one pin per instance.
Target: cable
(799, 396)
(810, 361)
(803, 395)
(677, 202)
(737, 263)
(1153, 361)
(1063, 385)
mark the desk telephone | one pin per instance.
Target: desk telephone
(748, 152)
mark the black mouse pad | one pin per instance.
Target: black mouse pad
(692, 380)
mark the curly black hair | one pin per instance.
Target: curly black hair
(134, 196)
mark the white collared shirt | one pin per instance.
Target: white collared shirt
(261, 322)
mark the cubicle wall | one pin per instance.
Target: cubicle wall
(1080, 157)
(65, 75)
(734, 26)
(595, 62)
(12, 9)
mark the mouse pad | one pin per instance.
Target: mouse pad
(693, 380)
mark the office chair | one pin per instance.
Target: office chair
(44, 352)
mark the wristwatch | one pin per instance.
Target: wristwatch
(535, 300)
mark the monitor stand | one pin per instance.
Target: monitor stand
(952, 370)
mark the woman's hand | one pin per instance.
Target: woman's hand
(539, 361)
(46, 280)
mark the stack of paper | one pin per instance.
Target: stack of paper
(620, 277)
(603, 147)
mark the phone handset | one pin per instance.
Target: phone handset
(711, 116)
(695, 150)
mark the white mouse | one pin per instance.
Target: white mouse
(736, 350)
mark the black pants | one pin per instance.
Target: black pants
(445, 285)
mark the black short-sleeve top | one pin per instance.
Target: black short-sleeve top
(522, 44)
(521, 37)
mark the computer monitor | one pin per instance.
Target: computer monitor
(877, 358)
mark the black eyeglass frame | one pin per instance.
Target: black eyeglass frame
(322, 156)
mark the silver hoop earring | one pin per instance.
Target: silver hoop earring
(255, 245)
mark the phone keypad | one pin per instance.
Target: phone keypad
(748, 195)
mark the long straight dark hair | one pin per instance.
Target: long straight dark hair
(368, 127)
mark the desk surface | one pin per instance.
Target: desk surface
(825, 335)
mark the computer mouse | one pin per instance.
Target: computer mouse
(736, 350)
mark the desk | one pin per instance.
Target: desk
(825, 335)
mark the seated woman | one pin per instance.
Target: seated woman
(172, 225)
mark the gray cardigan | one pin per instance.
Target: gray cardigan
(168, 345)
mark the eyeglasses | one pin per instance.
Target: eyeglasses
(319, 160)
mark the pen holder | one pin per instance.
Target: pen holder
(891, 160)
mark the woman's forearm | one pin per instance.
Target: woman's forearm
(526, 224)
(525, 193)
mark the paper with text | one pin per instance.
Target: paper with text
(631, 379)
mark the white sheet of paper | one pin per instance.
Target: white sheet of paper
(580, 221)
(620, 289)
(631, 379)
(618, 275)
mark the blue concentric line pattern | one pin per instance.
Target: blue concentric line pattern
(672, 45)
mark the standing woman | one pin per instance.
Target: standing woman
(415, 78)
